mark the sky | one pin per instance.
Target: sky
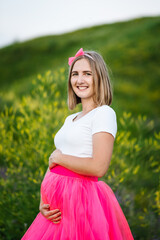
(21, 20)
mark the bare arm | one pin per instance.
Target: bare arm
(97, 165)
(41, 202)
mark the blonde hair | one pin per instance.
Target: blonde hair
(101, 81)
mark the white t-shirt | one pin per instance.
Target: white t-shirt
(75, 137)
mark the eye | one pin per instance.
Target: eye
(88, 74)
(74, 74)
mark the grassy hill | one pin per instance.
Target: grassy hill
(131, 50)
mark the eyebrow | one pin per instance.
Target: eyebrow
(83, 71)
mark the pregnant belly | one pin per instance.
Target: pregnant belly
(61, 186)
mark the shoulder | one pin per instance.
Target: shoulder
(105, 110)
(105, 120)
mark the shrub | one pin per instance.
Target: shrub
(27, 140)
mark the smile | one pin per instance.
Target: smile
(82, 88)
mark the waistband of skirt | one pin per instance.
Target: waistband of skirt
(66, 172)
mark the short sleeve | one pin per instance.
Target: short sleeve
(105, 120)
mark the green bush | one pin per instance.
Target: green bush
(27, 140)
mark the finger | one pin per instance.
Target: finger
(56, 221)
(44, 209)
(54, 216)
(45, 206)
(52, 212)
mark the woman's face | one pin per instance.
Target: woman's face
(82, 79)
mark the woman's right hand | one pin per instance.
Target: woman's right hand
(52, 215)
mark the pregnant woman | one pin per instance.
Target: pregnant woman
(74, 204)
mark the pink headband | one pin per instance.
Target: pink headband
(79, 53)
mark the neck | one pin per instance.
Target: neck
(88, 106)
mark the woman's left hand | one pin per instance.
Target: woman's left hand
(54, 157)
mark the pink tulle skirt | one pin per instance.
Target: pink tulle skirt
(89, 209)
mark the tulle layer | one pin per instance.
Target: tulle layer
(89, 210)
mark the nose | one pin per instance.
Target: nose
(80, 79)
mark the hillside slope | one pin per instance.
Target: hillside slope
(131, 50)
